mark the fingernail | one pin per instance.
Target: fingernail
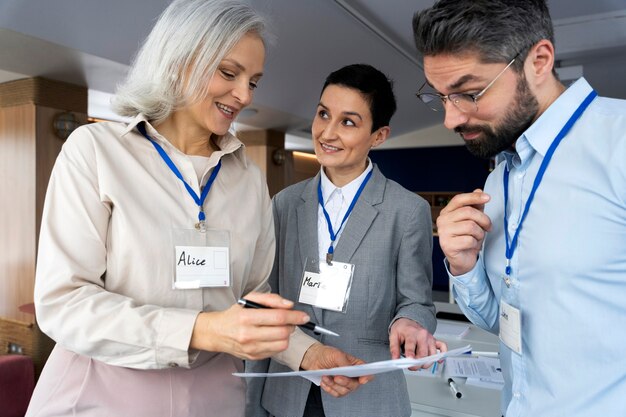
(484, 197)
(306, 319)
(286, 302)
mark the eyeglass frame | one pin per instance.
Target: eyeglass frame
(473, 97)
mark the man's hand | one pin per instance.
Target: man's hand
(461, 226)
(417, 341)
(320, 356)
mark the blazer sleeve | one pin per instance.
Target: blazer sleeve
(299, 342)
(414, 270)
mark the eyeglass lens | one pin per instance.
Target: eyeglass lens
(463, 102)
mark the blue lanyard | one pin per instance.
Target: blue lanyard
(510, 247)
(333, 236)
(205, 191)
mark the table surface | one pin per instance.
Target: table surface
(431, 396)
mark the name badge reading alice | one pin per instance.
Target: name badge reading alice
(202, 266)
(329, 288)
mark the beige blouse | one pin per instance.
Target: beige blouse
(106, 258)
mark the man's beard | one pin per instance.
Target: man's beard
(515, 122)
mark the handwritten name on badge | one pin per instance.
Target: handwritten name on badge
(311, 282)
(188, 260)
(202, 266)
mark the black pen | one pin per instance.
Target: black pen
(310, 325)
(454, 388)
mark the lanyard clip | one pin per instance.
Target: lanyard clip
(507, 271)
(201, 226)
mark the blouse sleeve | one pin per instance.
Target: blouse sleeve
(73, 307)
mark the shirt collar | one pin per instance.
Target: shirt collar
(541, 133)
(539, 136)
(349, 190)
(227, 143)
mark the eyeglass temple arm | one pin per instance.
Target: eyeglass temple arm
(477, 96)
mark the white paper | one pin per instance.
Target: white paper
(484, 383)
(361, 370)
(487, 369)
(435, 371)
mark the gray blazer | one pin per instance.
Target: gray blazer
(388, 237)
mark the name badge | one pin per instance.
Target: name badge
(201, 258)
(511, 327)
(201, 266)
(326, 286)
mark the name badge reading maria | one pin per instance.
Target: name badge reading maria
(202, 266)
(326, 286)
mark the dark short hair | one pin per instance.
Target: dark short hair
(498, 30)
(375, 87)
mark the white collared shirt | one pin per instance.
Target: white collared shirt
(336, 201)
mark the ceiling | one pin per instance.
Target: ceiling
(91, 42)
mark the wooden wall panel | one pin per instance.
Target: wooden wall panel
(304, 166)
(28, 150)
(260, 147)
(17, 202)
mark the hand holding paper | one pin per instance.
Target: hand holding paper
(320, 356)
(362, 370)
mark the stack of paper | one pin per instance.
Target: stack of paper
(436, 370)
(365, 369)
(479, 371)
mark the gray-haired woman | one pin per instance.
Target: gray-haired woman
(145, 244)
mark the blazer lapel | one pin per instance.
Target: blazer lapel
(307, 228)
(361, 218)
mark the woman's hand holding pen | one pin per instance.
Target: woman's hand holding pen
(248, 333)
(416, 340)
(320, 356)
(461, 226)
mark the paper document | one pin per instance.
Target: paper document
(485, 383)
(480, 371)
(435, 371)
(361, 370)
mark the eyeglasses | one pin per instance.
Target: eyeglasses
(467, 103)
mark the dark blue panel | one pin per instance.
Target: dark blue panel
(445, 168)
(440, 276)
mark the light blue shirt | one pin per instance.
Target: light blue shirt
(569, 269)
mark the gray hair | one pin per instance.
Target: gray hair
(180, 55)
(498, 30)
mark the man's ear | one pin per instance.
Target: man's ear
(540, 61)
(381, 136)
